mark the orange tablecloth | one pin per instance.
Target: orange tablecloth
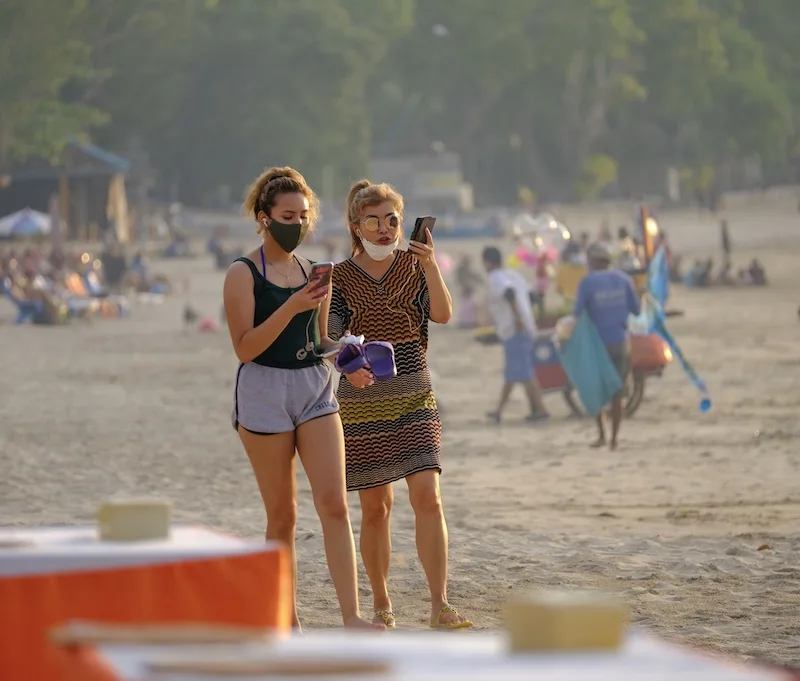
(67, 574)
(418, 656)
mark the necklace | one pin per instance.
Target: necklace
(283, 274)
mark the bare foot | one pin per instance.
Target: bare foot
(358, 623)
(599, 442)
(612, 445)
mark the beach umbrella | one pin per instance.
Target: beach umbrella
(25, 223)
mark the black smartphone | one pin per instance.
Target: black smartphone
(321, 273)
(420, 225)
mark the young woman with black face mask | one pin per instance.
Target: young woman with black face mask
(284, 399)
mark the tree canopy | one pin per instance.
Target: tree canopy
(569, 98)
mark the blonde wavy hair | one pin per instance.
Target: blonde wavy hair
(264, 191)
(363, 194)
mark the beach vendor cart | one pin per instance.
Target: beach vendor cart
(650, 355)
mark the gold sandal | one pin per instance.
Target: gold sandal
(385, 617)
(459, 623)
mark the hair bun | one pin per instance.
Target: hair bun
(278, 173)
(261, 193)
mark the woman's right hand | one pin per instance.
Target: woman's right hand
(307, 298)
(362, 378)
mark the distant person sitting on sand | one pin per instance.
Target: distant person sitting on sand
(754, 275)
(704, 276)
(115, 265)
(609, 296)
(699, 274)
(725, 275)
(743, 277)
(511, 311)
(758, 275)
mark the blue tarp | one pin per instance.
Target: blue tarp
(589, 367)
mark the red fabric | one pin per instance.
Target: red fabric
(247, 590)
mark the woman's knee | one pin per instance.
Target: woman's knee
(282, 518)
(376, 504)
(331, 505)
(424, 494)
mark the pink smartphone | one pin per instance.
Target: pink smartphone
(321, 273)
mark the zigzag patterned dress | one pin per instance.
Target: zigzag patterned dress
(391, 428)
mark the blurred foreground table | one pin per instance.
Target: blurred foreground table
(49, 576)
(421, 656)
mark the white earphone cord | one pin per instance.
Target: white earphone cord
(411, 328)
(309, 346)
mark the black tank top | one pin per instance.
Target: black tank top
(303, 327)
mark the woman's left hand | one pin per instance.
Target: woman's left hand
(423, 252)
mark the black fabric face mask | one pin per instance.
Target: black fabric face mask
(288, 236)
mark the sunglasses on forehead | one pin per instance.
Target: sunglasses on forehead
(373, 223)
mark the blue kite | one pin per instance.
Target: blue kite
(654, 320)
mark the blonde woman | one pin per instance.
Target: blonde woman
(284, 397)
(392, 427)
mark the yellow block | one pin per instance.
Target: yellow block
(568, 276)
(133, 520)
(559, 621)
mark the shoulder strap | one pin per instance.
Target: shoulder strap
(302, 268)
(252, 266)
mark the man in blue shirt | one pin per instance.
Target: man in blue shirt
(608, 296)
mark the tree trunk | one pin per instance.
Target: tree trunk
(5, 144)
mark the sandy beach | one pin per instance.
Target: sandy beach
(673, 520)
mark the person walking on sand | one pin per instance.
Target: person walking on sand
(392, 428)
(283, 399)
(509, 305)
(609, 296)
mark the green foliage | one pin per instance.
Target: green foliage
(40, 52)
(592, 92)
(697, 179)
(598, 172)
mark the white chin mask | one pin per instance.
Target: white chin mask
(377, 251)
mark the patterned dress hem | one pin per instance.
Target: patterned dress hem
(373, 485)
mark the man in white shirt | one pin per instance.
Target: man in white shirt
(510, 307)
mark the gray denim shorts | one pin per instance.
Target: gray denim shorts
(269, 400)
